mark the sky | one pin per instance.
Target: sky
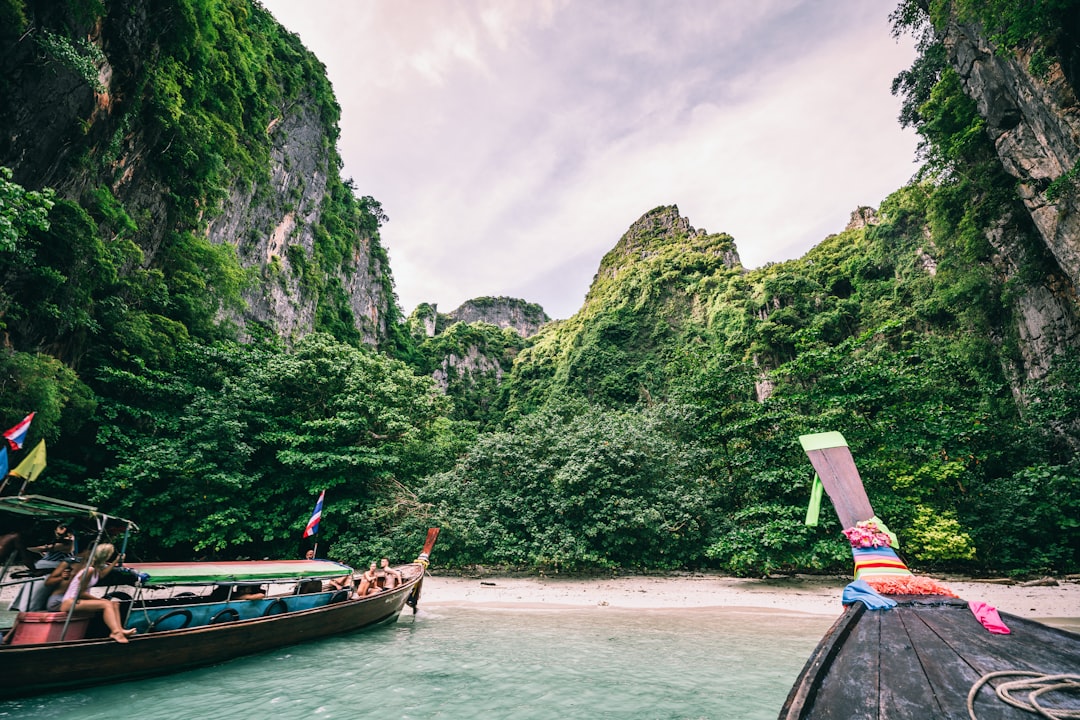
(511, 143)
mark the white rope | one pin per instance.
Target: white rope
(1037, 685)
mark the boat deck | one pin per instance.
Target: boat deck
(920, 659)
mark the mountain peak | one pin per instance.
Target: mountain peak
(663, 229)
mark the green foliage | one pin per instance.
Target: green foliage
(227, 451)
(654, 429)
(80, 56)
(768, 538)
(43, 385)
(573, 487)
(1027, 521)
(334, 316)
(1064, 184)
(937, 536)
(12, 19)
(615, 349)
(52, 281)
(471, 359)
(1011, 24)
(20, 211)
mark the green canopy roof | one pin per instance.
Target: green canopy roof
(47, 507)
(237, 571)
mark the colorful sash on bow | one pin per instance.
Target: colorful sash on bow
(876, 562)
(885, 572)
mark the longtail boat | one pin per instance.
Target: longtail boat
(907, 647)
(192, 614)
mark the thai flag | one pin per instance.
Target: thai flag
(17, 435)
(313, 523)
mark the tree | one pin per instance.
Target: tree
(227, 451)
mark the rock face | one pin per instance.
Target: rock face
(861, 217)
(473, 363)
(273, 231)
(58, 130)
(527, 318)
(1034, 124)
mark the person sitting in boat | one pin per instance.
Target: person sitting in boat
(61, 546)
(345, 582)
(369, 581)
(78, 594)
(392, 576)
(60, 578)
(249, 592)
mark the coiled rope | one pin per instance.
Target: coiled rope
(1036, 685)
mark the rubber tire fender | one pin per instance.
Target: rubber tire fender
(271, 608)
(225, 615)
(181, 611)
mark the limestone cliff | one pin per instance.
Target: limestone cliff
(123, 98)
(527, 318)
(1034, 124)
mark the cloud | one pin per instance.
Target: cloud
(512, 144)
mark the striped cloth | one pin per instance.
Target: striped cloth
(875, 562)
(886, 573)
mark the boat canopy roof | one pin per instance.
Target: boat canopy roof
(237, 571)
(47, 507)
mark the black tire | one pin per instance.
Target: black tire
(272, 608)
(117, 595)
(226, 615)
(339, 596)
(182, 611)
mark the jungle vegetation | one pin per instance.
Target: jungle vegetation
(655, 429)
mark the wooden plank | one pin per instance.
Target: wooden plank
(801, 699)
(838, 474)
(849, 690)
(905, 692)
(948, 677)
(976, 652)
(1030, 645)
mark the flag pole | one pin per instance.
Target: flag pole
(312, 529)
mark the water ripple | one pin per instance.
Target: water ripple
(449, 663)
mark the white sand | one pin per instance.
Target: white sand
(808, 594)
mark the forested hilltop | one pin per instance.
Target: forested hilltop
(200, 312)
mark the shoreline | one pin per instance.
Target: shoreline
(819, 595)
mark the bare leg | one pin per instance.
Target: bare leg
(109, 613)
(113, 609)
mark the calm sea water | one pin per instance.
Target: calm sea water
(453, 662)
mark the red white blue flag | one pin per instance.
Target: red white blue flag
(17, 435)
(313, 523)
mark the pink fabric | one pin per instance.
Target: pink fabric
(988, 616)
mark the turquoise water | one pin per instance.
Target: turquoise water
(455, 662)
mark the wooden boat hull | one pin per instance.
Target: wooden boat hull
(928, 656)
(37, 668)
(920, 659)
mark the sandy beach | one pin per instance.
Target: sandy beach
(801, 593)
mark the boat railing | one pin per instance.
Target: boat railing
(156, 608)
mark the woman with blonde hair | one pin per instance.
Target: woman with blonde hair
(78, 592)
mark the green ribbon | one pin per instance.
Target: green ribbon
(895, 544)
(814, 508)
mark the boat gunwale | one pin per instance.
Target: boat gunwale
(803, 692)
